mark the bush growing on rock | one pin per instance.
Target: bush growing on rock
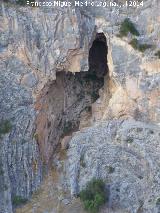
(141, 47)
(5, 127)
(158, 202)
(18, 200)
(128, 27)
(94, 195)
(134, 43)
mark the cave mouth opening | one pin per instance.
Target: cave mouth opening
(69, 99)
(98, 56)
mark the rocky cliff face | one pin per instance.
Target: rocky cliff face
(37, 43)
(120, 152)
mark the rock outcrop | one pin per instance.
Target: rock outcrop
(121, 153)
(37, 43)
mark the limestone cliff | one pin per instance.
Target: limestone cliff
(36, 44)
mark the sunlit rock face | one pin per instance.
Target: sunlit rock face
(121, 153)
(34, 45)
(37, 43)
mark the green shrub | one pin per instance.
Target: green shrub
(129, 140)
(18, 200)
(94, 196)
(5, 127)
(158, 54)
(158, 202)
(134, 43)
(141, 47)
(126, 27)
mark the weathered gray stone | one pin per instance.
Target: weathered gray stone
(29, 80)
(35, 43)
(121, 153)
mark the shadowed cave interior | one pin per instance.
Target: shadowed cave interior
(69, 100)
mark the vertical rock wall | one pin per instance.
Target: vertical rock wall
(35, 44)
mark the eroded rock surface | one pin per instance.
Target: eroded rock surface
(121, 153)
(37, 43)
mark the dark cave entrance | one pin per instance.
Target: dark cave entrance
(98, 56)
(69, 99)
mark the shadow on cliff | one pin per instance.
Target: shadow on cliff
(68, 100)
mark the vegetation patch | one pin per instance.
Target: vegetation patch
(18, 200)
(127, 27)
(94, 196)
(5, 127)
(144, 47)
(129, 140)
(158, 54)
(158, 202)
(141, 47)
(134, 43)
